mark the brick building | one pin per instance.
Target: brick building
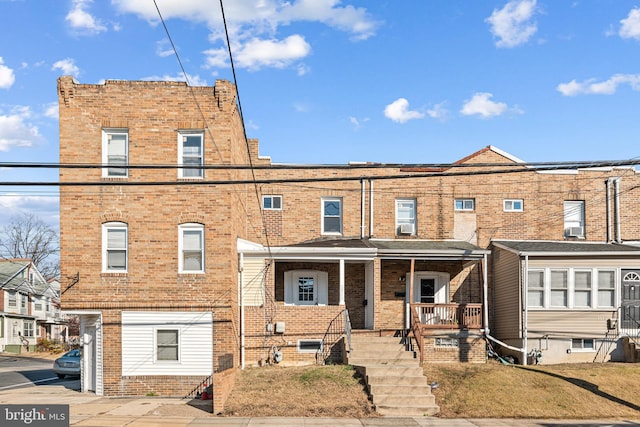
(187, 269)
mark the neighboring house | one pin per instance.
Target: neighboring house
(185, 269)
(30, 307)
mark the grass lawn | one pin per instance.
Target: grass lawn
(575, 391)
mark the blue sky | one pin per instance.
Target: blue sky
(329, 81)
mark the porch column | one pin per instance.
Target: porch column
(341, 282)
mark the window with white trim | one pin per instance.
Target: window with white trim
(582, 288)
(582, 344)
(167, 345)
(406, 216)
(574, 218)
(465, 204)
(114, 247)
(271, 202)
(115, 152)
(513, 205)
(191, 248)
(27, 330)
(13, 300)
(38, 306)
(309, 346)
(306, 287)
(606, 288)
(331, 215)
(535, 290)
(190, 154)
(558, 288)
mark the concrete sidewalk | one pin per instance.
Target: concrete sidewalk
(90, 410)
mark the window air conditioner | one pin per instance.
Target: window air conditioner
(406, 229)
(573, 232)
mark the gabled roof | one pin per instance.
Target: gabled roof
(566, 248)
(13, 278)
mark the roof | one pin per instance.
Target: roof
(566, 248)
(12, 277)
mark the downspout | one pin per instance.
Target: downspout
(370, 208)
(616, 195)
(241, 296)
(608, 206)
(485, 290)
(362, 207)
(525, 312)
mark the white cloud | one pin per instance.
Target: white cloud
(194, 80)
(357, 123)
(16, 132)
(512, 25)
(67, 66)
(6, 76)
(398, 111)
(82, 21)
(592, 87)
(45, 207)
(438, 112)
(630, 28)
(52, 110)
(482, 105)
(163, 48)
(253, 27)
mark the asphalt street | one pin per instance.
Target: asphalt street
(20, 372)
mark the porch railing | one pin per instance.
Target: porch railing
(448, 316)
(338, 328)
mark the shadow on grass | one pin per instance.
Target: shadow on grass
(585, 385)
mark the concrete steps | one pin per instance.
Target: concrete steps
(395, 380)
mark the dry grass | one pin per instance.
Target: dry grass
(575, 391)
(310, 391)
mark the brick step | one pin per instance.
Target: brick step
(407, 410)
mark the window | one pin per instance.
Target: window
(23, 301)
(27, 329)
(582, 288)
(115, 152)
(535, 291)
(465, 204)
(309, 346)
(190, 155)
(606, 288)
(574, 218)
(191, 247)
(582, 344)
(558, 285)
(114, 243)
(331, 216)
(13, 302)
(38, 306)
(272, 202)
(306, 287)
(513, 205)
(447, 342)
(405, 216)
(167, 345)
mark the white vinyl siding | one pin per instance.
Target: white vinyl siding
(139, 343)
(253, 287)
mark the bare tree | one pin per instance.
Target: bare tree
(27, 236)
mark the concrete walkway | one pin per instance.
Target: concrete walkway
(90, 410)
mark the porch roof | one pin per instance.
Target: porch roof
(566, 248)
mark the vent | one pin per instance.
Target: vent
(406, 229)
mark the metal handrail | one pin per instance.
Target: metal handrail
(340, 326)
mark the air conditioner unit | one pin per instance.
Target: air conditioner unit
(573, 232)
(406, 229)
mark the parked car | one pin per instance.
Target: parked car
(67, 364)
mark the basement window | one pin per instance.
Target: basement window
(309, 346)
(582, 344)
(447, 343)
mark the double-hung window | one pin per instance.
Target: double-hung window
(190, 154)
(465, 204)
(535, 289)
(405, 216)
(559, 288)
(191, 248)
(114, 244)
(574, 218)
(27, 329)
(331, 215)
(167, 345)
(582, 288)
(513, 205)
(115, 152)
(606, 288)
(13, 301)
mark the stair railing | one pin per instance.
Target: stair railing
(197, 391)
(339, 327)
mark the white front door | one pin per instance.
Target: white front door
(368, 295)
(430, 287)
(89, 358)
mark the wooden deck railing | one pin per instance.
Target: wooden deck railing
(448, 316)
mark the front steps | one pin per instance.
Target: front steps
(631, 350)
(395, 380)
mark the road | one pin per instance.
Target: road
(21, 372)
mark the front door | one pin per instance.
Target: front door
(427, 290)
(89, 358)
(630, 299)
(430, 287)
